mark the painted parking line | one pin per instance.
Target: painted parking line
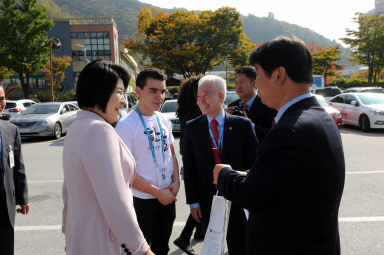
(364, 172)
(47, 181)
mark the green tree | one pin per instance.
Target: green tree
(325, 61)
(59, 65)
(188, 43)
(23, 46)
(367, 43)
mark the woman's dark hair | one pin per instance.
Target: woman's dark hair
(288, 52)
(187, 97)
(153, 73)
(96, 83)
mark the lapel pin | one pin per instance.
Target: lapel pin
(230, 128)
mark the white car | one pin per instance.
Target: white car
(169, 108)
(14, 108)
(365, 110)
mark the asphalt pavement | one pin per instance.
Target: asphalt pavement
(361, 213)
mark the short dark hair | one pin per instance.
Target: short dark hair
(248, 71)
(289, 52)
(96, 83)
(152, 73)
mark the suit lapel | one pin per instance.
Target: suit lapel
(227, 138)
(3, 145)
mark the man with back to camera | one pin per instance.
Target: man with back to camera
(261, 115)
(209, 139)
(13, 182)
(148, 135)
(294, 188)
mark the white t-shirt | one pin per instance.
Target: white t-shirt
(131, 131)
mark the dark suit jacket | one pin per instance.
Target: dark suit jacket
(261, 115)
(15, 182)
(294, 188)
(239, 149)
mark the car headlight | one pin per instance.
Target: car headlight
(337, 114)
(377, 112)
(42, 123)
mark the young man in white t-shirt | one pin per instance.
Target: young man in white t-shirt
(148, 134)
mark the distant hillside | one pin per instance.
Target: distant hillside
(125, 12)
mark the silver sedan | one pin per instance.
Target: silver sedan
(46, 119)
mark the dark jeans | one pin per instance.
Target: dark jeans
(156, 222)
(6, 229)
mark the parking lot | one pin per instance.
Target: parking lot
(361, 213)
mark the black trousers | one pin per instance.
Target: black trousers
(156, 223)
(6, 229)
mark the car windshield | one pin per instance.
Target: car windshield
(42, 109)
(231, 96)
(169, 107)
(322, 101)
(328, 92)
(375, 90)
(369, 99)
(10, 105)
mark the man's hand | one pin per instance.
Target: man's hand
(165, 196)
(217, 170)
(174, 187)
(230, 110)
(196, 214)
(24, 209)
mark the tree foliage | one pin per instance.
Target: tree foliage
(188, 43)
(22, 38)
(367, 43)
(325, 61)
(59, 65)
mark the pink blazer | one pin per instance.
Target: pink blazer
(98, 214)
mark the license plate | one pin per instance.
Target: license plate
(176, 127)
(24, 130)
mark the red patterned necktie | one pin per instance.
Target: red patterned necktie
(273, 122)
(215, 133)
(245, 106)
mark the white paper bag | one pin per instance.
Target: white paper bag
(215, 237)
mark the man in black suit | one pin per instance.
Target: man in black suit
(209, 139)
(13, 183)
(260, 114)
(294, 188)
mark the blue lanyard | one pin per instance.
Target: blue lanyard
(149, 136)
(220, 136)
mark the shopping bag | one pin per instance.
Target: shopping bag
(215, 237)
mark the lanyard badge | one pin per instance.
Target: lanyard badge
(161, 167)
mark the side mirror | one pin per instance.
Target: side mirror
(62, 111)
(354, 103)
(330, 103)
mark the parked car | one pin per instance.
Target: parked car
(364, 89)
(327, 92)
(46, 119)
(230, 97)
(169, 108)
(13, 108)
(131, 100)
(365, 110)
(336, 115)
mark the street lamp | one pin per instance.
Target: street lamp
(54, 44)
(85, 52)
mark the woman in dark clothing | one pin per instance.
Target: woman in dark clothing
(188, 110)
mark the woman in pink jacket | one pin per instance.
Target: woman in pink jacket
(98, 214)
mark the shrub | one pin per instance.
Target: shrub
(173, 90)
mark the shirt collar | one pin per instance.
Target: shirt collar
(219, 118)
(290, 103)
(250, 101)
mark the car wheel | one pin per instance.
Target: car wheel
(364, 123)
(57, 131)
